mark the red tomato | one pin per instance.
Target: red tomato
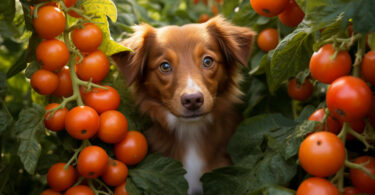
(349, 99)
(360, 179)
(121, 189)
(326, 70)
(87, 39)
(92, 162)
(113, 126)
(65, 87)
(59, 178)
(351, 191)
(292, 14)
(50, 192)
(332, 125)
(102, 100)
(82, 122)
(214, 10)
(115, 174)
(52, 54)
(358, 126)
(79, 190)
(204, 18)
(268, 39)
(317, 186)
(300, 92)
(368, 67)
(44, 82)
(95, 66)
(57, 121)
(269, 8)
(322, 154)
(70, 3)
(50, 22)
(132, 149)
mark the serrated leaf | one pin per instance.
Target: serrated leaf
(29, 151)
(159, 175)
(102, 9)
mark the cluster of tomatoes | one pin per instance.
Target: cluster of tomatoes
(94, 116)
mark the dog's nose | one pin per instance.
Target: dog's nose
(192, 101)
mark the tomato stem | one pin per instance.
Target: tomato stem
(361, 167)
(360, 138)
(75, 155)
(359, 56)
(103, 185)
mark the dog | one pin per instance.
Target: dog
(186, 78)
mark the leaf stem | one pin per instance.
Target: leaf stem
(361, 167)
(359, 56)
(84, 144)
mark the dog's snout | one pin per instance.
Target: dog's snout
(192, 101)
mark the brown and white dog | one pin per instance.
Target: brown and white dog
(186, 79)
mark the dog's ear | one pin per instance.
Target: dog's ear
(235, 42)
(132, 64)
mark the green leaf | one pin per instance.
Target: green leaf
(291, 56)
(18, 66)
(5, 121)
(7, 10)
(159, 175)
(273, 190)
(28, 127)
(371, 41)
(131, 187)
(31, 68)
(3, 85)
(102, 9)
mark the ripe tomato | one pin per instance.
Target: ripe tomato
(102, 100)
(332, 125)
(113, 126)
(50, 192)
(269, 8)
(132, 149)
(57, 121)
(360, 179)
(315, 186)
(116, 173)
(95, 66)
(65, 87)
(292, 14)
(358, 126)
(79, 190)
(44, 82)
(50, 22)
(92, 162)
(59, 178)
(351, 191)
(52, 54)
(204, 18)
(368, 67)
(300, 92)
(87, 39)
(349, 98)
(70, 3)
(82, 122)
(268, 39)
(121, 190)
(322, 154)
(214, 10)
(326, 70)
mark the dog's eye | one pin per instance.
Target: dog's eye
(208, 62)
(165, 67)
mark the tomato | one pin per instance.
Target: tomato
(204, 18)
(87, 39)
(92, 162)
(268, 39)
(132, 149)
(52, 54)
(315, 186)
(368, 67)
(44, 82)
(79, 190)
(50, 192)
(292, 14)
(214, 10)
(82, 122)
(65, 87)
(95, 66)
(113, 126)
(332, 125)
(358, 126)
(102, 100)
(269, 8)
(50, 22)
(59, 178)
(196, 1)
(349, 98)
(300, 92)
(322, 154)
(121, 190)
(326, 70)
(57, 121)
(360, 179)
(351, 191)
(70, 3)
(116, 173)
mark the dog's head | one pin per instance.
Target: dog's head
(185, 69)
